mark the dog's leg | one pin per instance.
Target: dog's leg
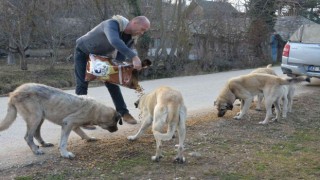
(245, 108)
(65, 132)
(159, 119)
(290, 97)
(259, 101)
(33, 121)
(83, 135)
(158, 155)
(241, 106)
(268, 105)
(277, 107)
(182, 134)
(284, 106)
(146, 123)
(38, 137)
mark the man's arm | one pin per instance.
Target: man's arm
(111, 29)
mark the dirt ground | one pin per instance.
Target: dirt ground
(216, 148)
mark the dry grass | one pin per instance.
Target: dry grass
(62, 76)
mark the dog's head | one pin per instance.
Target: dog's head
(112, 124)
(222, 107)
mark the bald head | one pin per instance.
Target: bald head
(142, 20)
(138, 26)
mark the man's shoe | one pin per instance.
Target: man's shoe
(129, 119)
(89, 127)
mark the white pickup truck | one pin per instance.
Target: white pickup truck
(301, 54)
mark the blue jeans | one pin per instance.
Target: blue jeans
(80, 63)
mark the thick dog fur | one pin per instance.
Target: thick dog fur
(266, 70)
(287, 91)
(245, 87)
(36, 102)
(163, 105)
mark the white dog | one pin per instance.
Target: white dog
(286, 90)
(163, 105)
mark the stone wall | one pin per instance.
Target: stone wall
(287, 25)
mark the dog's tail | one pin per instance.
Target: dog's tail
(269, 66)
(293, 80)
(172, 117)
(10, 117)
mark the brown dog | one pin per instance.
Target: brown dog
(36, 102)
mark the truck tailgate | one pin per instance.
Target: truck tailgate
(308, 55)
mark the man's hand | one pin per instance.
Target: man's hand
(136, 63)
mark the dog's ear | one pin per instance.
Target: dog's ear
(136, 104)
(146, 63)
(308, 79)
(229, 106)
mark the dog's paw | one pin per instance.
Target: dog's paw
(274, 119)
(131, 138)
(238, 113)
(47, 144)
(38, 152)
(263, 122)
(68, 155)
(237, 117)
(156, 158)
(179, 160)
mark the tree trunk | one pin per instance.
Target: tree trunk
(11, 59)
(23, 61)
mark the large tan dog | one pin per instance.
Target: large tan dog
(163, 105)
(36, 102)
(266, 70)
(287, 92)
(245, 87)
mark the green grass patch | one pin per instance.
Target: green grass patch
(23, 178)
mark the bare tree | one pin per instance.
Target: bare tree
(18, 25)
(95, 11)
(55, 27)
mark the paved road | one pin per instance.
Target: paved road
(199, 93)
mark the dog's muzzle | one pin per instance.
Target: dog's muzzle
(112, 129)
(221, 113)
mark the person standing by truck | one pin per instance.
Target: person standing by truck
(277, 44)
(274, 47)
